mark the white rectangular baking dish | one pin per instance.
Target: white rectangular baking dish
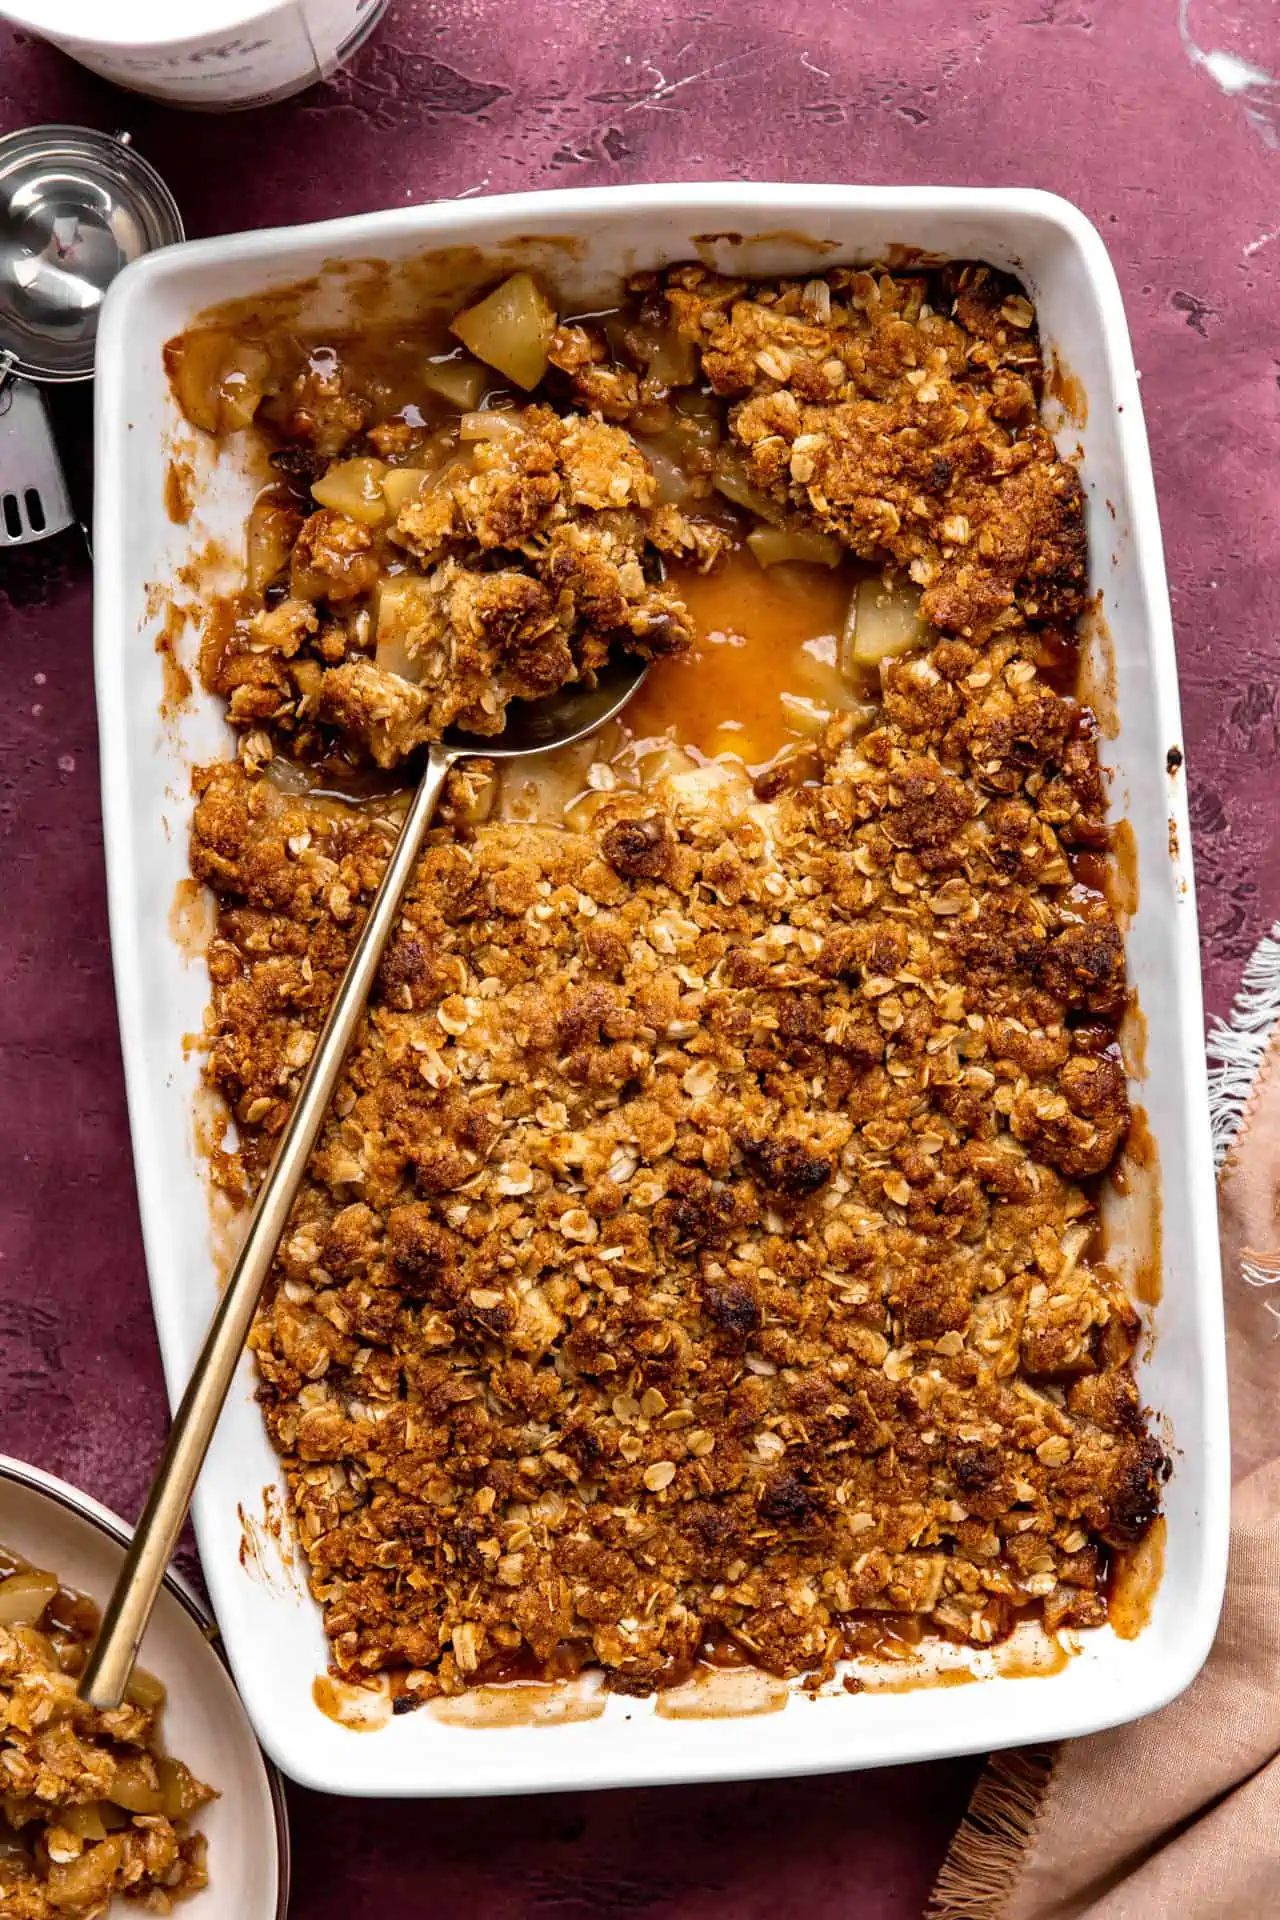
(585, 240)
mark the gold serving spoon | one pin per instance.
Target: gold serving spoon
(537, 726)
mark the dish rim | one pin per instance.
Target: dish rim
(498, 218)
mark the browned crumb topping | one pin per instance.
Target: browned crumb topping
(90, 1804)
(702, 1251)
(696, 1246)
(898, 413)
(517, 568)
(904, 428)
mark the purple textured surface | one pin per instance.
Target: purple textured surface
(1134, 112)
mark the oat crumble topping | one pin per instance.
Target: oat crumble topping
(90, 1804)
(702, 1250)
(904, 430)
(520, 567)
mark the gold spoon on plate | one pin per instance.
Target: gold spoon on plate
(537, 726)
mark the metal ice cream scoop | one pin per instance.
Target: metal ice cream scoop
(75, 207)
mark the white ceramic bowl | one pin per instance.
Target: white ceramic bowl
(585, 241)
(53, 1526)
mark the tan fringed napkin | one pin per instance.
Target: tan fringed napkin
(1178, 1815)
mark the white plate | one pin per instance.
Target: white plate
(585, 240)
(54, 1526)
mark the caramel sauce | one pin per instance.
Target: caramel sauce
(761, 633)
(1134, 1582)
(1136, 1177)
(876, 1635)
(70, 1613)
(179, 491)
(193, 918)
(177, 681)
(1063, 386)
(1057, 659)
(1097, 681)
(520, 1704)
(1034, 1657)
(1133, 1035)
(359, 1709)
(221, 612)
(717, 1693)
(707, 245)
(1122, 880)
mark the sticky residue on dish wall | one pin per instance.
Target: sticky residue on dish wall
(1098, 669)
(1135, 1581)
(522, 1704)
(179, 490)
(711, 247)
(367, 1709)
(177, 680)
(1029, 1652)
(1122, 878)
(176, 609)
(1135, 1238)
(212, 1133)
(1066, 401)
(1132, 1037)
(193, 916)
(375, 292)
(358, 1709)
(724, 1693)
(708, 1694)
(266, 1545)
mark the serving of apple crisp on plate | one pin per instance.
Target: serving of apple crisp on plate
(701, 1262)
(90, 1803)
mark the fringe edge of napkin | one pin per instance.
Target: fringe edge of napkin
(984, 1861)
(1236, 1046)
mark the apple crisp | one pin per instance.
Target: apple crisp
(90, 1804)
(701, 1258)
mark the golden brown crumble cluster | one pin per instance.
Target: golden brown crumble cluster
(702, 1251)
(907, 429)
(696, 1247)
(897, 413)
(519, 567)
(90, 1805)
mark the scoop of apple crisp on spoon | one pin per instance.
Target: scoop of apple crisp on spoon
(537, 726)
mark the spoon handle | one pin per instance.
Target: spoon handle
(127, 1612)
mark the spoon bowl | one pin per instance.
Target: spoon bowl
(558, 719)
(536, 726)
